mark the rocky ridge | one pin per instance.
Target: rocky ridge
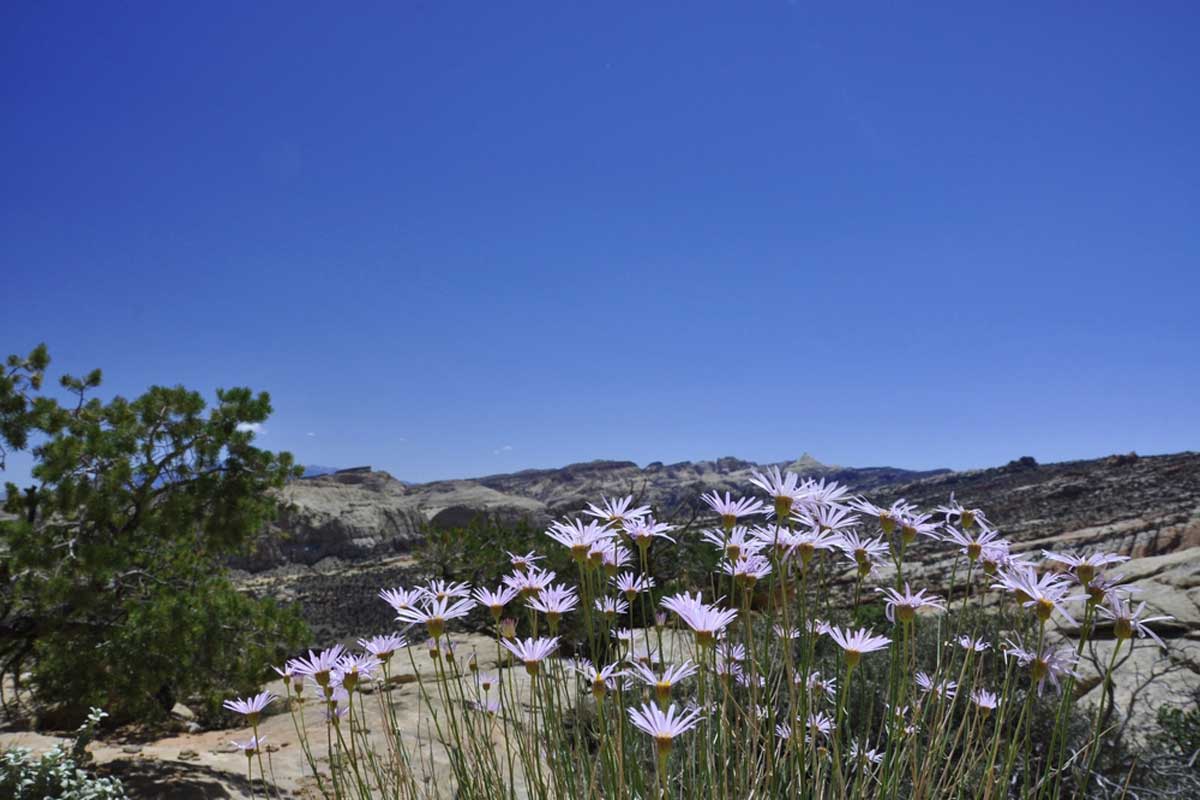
(1145, 507)
(359, 513)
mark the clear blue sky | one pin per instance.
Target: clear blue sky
(455, 238)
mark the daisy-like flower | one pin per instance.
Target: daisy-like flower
(337, 706)
(487, 681)
(775, 538)
(855, 643)
(531, 652)
(351, 669)
(946, 689)
(747, 569)
(865, 552)
(446, 590)
(610, 607)
(663, 726)
(1043, 594)
(616, 511)
(529, 583)
(734, 542)
(495, 601)
(287, 673)
(435, 614)
(508, 628)
(1126, 622)
(903, 606)
(400, 599)
(826, 517)
(730, 510)
(826, 494)
(735, 651)
(438, 647)
(897, 713)
(974, 645)
(251, 747)
(817, 684)
(642, 531)
(319, 666)
(579, 537)
(862, 757)
(1085, 567)
(602, 680)
(523, 562)
(251, 707)
(706, 621)
(785, 489)
(806, 543)
(956, 512)
(783, 731)
(1050, 663)
(727, 669)
(785, 633)
(383, 647)
(1108, 585)
(985, 700)
(996, 556)
(972, 541)
(745, 680)
(662, 683)
(913, 523)
(554, 601)
(632, 585)
(613, 559)
(888, 517)
(820, 725)
(623, 635)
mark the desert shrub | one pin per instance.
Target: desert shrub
(59, 773)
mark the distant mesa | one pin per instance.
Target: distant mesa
(316, 470)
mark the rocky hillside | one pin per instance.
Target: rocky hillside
(344, 535)
(359, 513)
(1147, 508)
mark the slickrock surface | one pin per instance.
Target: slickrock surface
(358, 513)
(189, 766)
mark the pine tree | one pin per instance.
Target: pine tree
(114, 592)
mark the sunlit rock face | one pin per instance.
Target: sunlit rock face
(362, 513)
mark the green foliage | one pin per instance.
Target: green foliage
(113, 590)
(58, 773)
(478, 551)
(19, 408)
(1179, 730)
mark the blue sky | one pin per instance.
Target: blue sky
(461, 238)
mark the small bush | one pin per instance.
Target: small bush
(58, 774)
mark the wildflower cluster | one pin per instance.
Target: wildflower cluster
(775, 687)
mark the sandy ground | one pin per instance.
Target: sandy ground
(205, 765)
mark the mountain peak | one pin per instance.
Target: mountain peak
(806, 463)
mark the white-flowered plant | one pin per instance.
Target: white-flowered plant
(762, 679)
